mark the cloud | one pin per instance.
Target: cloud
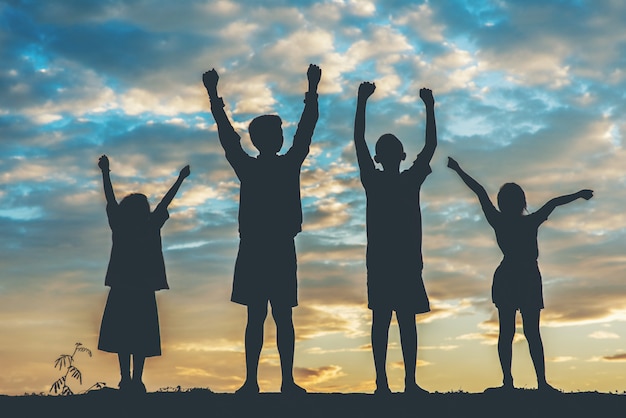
(619, 357)
(400, 364)
(311, 377)
(530, 92)
(603, 335)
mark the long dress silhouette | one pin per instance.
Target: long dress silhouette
(136, 270)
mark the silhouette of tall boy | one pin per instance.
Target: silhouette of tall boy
(270, 216)
(394, 238)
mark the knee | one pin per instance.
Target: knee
(406, 319)
(506, 335)
(257, 315)
(381, 318)
(282, 317)
(532, 335)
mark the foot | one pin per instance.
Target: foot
(125, 384)
(547, 388)
(291, 389)
(138, 387)
(382, 390)
(506, 387)
(414, 389)
(248, 389)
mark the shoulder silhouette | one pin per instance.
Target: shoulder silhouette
(517, 283)
(270, 216)
(130, 324)
(394, 236)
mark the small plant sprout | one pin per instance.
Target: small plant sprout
(65, 362)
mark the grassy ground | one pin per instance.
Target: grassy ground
(202, 402)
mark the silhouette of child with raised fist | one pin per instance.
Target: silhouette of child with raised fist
(270, 216)
(130, 323)
(517, 280)
(394, 238)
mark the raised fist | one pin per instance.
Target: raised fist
(453, 164)
(184, 173)
(103, 163)
(210, 79)
(313, 74)
(427, 96)
(366, 89)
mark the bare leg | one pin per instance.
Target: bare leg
(380, 339)
(530, 319)
(505, 344)
(138, 363)
(408, 341)
(124, 361)
(285, 341)
(253, 344)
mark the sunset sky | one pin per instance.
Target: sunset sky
(531, 91)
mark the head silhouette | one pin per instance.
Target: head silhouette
(389, 151)
(135, 207)
(266, 133)
(511, 199)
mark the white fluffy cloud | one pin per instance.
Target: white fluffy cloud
(522, 94)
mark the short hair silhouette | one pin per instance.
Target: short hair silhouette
(394, 237)
(266, 133)
(389, 144)
(270, 216)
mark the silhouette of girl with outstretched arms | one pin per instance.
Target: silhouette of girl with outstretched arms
(517, 280)
(130, 323)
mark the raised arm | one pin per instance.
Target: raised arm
(228, 137)
(363, 156)
(431, 128)
(486, 204)
(310, 114)
(167, 199)
(547, 209)
(103, 163)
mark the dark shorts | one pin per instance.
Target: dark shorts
(130, 323)
(517, 286)
(266, 270)
(397, 291)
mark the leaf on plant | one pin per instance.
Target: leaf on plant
(56, 386)
(63, 361)
(84, 350)
(75, 373)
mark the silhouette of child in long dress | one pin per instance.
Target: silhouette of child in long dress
(517, 280)
(270, 216)
(394, 238)
(130, 323)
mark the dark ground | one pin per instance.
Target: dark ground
(204, 403)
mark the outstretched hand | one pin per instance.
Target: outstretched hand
(366, 89)
(210, 79)
(586, 194)
(103, 163)
(453, 164)
(184, 173)
(427, 96)
(313, 74)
